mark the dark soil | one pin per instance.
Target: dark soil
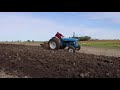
(36, 62)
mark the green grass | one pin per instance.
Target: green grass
(102, 43)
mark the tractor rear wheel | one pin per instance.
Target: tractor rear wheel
(71, 49)
(54, 44)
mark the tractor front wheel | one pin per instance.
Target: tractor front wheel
(71, 49)
(78, 48)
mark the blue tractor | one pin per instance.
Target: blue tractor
(70, 43)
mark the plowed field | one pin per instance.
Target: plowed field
(36, 62)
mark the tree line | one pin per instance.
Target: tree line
(82, 38)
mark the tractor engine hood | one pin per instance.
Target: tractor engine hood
(70, 39)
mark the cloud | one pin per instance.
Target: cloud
(113, 17)
(20, 27)
(17, 26)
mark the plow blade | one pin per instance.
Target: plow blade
(44, 45)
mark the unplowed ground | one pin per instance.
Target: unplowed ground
(100, 51)
(36, 62)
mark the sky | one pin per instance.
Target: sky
(41, 26)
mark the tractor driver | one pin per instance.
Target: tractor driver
(59, 35)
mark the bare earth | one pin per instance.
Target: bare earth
(22, 61)
(100, 51)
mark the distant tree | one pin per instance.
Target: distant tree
(28, 41)
(84, 38)
(32, 40)
(18, 41)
